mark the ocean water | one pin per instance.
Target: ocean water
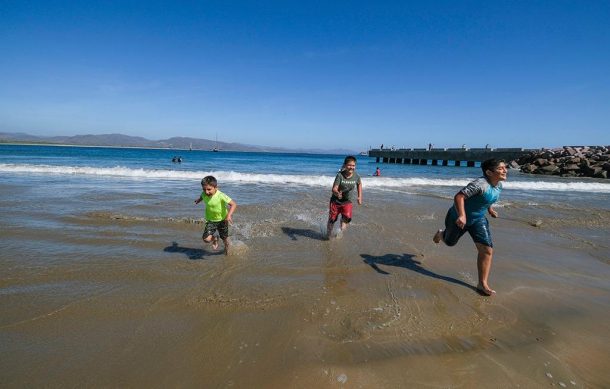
(105, 280)
(278, 173)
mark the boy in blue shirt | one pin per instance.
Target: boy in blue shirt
(219, 209)
(468, 215)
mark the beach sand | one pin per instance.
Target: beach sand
(113, 290)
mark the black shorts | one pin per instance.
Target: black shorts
(211, 227)
(478, 230)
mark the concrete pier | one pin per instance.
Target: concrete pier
(446, 157)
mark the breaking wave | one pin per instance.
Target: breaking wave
(281, 179)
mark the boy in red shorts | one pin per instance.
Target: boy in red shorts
(347, 185)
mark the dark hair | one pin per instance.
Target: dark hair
(349, 158)
(209, 180)
(490, 164)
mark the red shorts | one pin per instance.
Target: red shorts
(345, 210)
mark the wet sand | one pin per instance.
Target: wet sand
(116, 293)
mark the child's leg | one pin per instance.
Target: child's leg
(344, 224)
(333, 214)
(227, 244)
(484, 259)
(329, 228)
(346, 215)
(481, 235)
(451, 234)
(211, 239)
(223, 232)
(209, 234)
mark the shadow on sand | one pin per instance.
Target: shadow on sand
(407, 261)
(311, 234)
(191, 253)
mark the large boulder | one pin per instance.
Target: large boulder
(549, 169)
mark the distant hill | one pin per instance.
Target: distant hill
(120, 140)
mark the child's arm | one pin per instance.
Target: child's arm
(492, 212)
(198, 200)
(459, 200)
(359, 186)
(232, 207)
(337, 192)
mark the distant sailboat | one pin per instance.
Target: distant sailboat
(191, 147)
(215, 149)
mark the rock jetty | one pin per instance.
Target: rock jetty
(568, 161)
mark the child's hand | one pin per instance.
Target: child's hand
(359, 200)
(229, 219)
(198, 201)
(461, 222)
(339, 194)
(492, 212)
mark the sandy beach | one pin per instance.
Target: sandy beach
(104, 289)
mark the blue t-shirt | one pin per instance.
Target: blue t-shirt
(480, 195)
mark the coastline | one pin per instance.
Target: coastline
(264, 150)
(92, 146)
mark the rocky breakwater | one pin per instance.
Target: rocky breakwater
(568, 161)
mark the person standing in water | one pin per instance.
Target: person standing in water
(468, 215)
(347, 187)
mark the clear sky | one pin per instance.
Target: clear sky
(324, 74)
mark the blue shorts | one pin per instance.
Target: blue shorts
(478, 230)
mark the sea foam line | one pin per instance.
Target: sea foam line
(279, 179)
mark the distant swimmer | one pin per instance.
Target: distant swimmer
(346, 187)
(175, 159)
(468, 215)
(219, 210)
(377, 172)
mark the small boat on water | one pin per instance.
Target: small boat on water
(364, 153)
(215, 149)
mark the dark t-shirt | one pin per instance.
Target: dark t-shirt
(347, 186)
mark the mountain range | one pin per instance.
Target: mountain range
(183, 143)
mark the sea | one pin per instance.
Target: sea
(274, 174)
(106, 282)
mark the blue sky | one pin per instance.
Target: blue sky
(312, 74)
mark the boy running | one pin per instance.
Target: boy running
(347, 185)
(219, 209)
(468, 215)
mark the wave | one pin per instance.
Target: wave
(280, 179)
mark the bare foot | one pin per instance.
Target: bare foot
(215, 243)
(485, 291)
(438, 236)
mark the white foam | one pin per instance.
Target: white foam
(382, 183)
